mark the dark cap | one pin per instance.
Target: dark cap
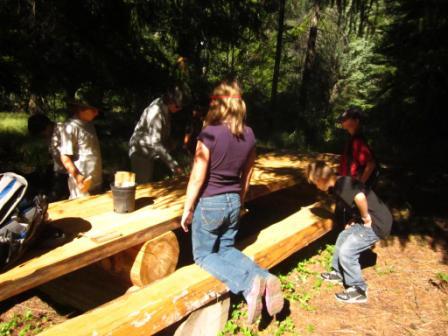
(86, 96)
(351, 113)
(79, 103)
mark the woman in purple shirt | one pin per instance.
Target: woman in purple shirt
(219, 180)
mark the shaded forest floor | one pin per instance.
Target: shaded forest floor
(407, 276)
(408, 294)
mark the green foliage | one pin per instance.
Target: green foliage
(18, 150)
(22, 324)
(13, 123)
(409, 109)
(385, 270)
(230, 328)
(285, 326)
(310, 328)
(360, 76)
(442, 276)
(326, 256)
(385, 56)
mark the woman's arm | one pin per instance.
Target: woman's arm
(197, 178)
(247, 173)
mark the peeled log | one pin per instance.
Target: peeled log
(152, 308)
(145, 263)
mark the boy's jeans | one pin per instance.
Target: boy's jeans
(214, 227)
(349, 245)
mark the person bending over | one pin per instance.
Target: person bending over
(151, 135)
(372, 222)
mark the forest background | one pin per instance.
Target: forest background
(301, 63)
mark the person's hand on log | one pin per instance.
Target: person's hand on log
(187, 217)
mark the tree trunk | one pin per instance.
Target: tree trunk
(306, 75)
(278, 56)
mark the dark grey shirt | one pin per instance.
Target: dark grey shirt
(346, 188)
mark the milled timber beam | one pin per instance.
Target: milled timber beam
(158, 305)
(97, 232)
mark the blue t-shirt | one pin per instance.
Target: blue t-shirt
(228, 156)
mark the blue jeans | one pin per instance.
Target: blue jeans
(214, 228)
(349, 245)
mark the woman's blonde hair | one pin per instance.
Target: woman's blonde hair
(227, 107)
(318, 170)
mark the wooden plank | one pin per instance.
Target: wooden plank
(165, 302)
(96, 232)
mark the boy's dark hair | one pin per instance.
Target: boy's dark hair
(76, 107)
(37, 124)
(352, 112)
(174, 95)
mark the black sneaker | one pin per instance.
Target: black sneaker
(352, 295)
(332, 276)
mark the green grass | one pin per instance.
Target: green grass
(442, 276)
(384, 270)
(285, 326)
(15, 123)
(19, 152)
(23, 324)
(299, 286)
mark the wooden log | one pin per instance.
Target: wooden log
(124, 179)
(208, 320)
(84, 289)
(104, 281)
(154, 307)
(272, 171)
(95, 232)
(145, 263)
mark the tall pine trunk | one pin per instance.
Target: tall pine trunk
(278, 56)
(310, 57)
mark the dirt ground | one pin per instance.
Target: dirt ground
(405, 295)
(408, 291)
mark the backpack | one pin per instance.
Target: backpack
(20, 219)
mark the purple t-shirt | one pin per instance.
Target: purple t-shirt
(228, 155)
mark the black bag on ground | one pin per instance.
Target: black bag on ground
(20, 220)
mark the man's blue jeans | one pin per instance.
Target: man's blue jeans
(214, 228)
(349, 245)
